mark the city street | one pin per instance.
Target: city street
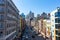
(29, 20)
(29, 34)
(38, 38)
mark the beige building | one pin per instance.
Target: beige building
(8, 20)
(44, 27)
(48, 28)
(40, 24)
(39, 21)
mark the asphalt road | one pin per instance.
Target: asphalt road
(38, 38)
(28, 35)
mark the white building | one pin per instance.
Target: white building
(55, 24)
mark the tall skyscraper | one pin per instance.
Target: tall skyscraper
(8, 20)
(31, 15)
(38, 16)
(55, 24)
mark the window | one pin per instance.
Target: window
(1, 33)
(57, 32)
(1, 17)
(57, 26)
(1, 25)
(1, 1)
(11, 16)
(57, 38)
(10, 6)
(1, 9)
(57, 14)
(57, 20)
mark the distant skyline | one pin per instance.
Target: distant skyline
(36, 6)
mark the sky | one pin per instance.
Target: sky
(36, 6)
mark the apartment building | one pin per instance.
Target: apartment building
(44, 28)
(48, 28)
(8, 20)
(55, 24)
